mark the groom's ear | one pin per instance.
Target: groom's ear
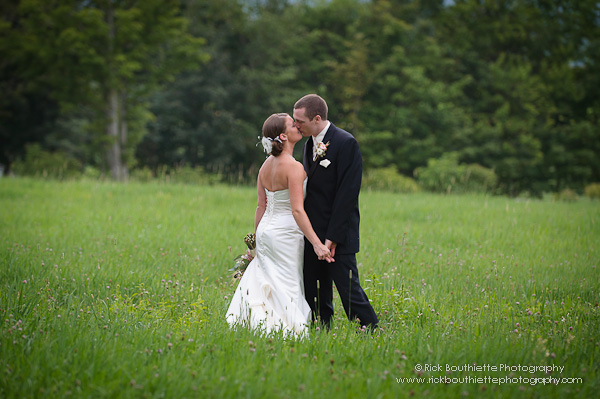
(317, 118)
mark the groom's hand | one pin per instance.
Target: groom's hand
(331, 245)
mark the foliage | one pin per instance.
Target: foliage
(112, 290)
(388, 179)
(100, 60)
(40, 163)
(445, 175)
(181, 175)
(593, 190)
(566, 195)
(187, 175)
(142, 175)
(511, 86)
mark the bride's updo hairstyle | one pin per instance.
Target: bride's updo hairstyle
(272, 128)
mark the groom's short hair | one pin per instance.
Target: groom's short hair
(314, 105)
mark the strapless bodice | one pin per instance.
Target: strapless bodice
(278, 202)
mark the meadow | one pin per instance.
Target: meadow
(120, 290)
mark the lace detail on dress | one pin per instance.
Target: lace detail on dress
(270, 203)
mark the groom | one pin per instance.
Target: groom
(333, 163)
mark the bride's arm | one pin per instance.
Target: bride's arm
(261, 203)
(295, 185)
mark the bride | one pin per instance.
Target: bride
(270, 295)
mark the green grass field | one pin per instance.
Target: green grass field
(111, 290)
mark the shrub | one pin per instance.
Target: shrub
(41, 163)
(478, 178)
(446, 175)
(141, 175)
(93, 173)
(566, 195)
(186, 175)
(388, 179)
(593, 191)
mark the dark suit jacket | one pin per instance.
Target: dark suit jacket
(332, 192)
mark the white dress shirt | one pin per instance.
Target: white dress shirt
(319, 138)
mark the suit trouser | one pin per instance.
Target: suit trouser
(318, 288)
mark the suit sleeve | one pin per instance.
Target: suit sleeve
(349, 169)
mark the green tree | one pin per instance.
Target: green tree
(411, 108)
(102, 58)
(530, 99)
(211, 117)
(27, 111)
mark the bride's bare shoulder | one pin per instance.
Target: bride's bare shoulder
(267, 163)
(296, 169)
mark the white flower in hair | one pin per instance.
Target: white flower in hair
(267, 144)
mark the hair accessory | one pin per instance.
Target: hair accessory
(267, 144)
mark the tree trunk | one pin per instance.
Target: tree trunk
(123, 132)
(112, 130)
(112, 109)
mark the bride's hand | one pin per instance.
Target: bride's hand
(323, 253)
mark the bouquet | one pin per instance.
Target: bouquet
(243, 260)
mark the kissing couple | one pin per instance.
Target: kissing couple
(306, 227)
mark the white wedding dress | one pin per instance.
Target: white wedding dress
(270, 295)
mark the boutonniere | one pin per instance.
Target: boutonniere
(321, 150)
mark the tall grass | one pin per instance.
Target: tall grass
(111, 290)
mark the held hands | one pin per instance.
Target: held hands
(323, 253)
(331, 245)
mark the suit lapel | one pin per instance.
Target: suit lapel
(307, 158)
(312, 162)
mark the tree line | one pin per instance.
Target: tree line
(122, 86)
